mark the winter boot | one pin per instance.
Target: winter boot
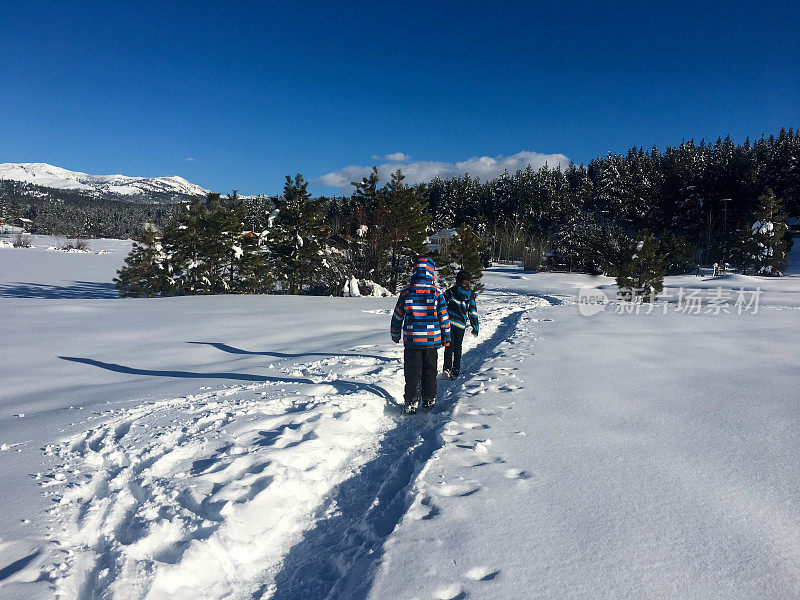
(410, 408)
(428, 402)
(453, 374)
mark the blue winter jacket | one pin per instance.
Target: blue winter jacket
(461, 307)
(421, 310)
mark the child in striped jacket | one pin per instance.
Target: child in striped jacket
(463, 311)
(421, 316)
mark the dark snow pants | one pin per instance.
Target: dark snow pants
(419, 365)
(452, 353)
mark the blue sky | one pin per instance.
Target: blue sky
(253, 91)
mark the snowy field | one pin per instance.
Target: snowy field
(249, 447)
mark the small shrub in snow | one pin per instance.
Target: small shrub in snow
(22, 240)
(75, 245)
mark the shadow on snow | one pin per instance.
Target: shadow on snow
(234, 350)
(79, 290)
(342, 386)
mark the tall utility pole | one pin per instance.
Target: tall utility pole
(725, 235)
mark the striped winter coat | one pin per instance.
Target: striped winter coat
(421, 310)
(461, 307)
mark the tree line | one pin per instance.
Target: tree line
(214, 246)
(697, 199)
(695, 204)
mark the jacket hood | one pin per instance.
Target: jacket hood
(460, 292)
(424, 271)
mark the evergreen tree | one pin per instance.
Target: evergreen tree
(144, 273)
(184, 248)
(642, 276)
(680, 255)
(368, 230)
(406, 228)
(229, 221)
(298, 237)
(462, 252)
(766, 248)
(253, 267)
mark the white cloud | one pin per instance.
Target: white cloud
(483, 167)
(190, 159)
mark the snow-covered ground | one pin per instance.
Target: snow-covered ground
(252, 446)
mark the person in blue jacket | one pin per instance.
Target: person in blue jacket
(462, 311)
(421, 315)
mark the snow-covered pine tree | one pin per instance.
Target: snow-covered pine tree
(182, 242)
(144, 273)
(230, 222)
(642, 276)
(572, 236)
(767, 246)
(298, 237)
(253, 268)
(406, 228)
(368, 236)
(217, 233)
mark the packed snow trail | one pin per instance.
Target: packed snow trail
(338, 558)
(284, 486)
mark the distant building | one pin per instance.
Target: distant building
(15, 225)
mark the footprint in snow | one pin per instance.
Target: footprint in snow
(449, 592)
(457, 490)
(517, 474)
(475, 426)
(481, 573)
(424, 510)
(509, 388)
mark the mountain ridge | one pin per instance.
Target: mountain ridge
(117, 187)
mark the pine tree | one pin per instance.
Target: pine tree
(253, 268)
(642, 276)
(183, 248)
(230, 223)
(368, 230)
(406, 227)
(144, 273)
(462, 253)
(680, 255)
(767, 247)
(298, 237)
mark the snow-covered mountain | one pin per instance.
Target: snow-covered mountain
(49, 176)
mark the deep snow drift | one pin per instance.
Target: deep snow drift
(253, 447)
